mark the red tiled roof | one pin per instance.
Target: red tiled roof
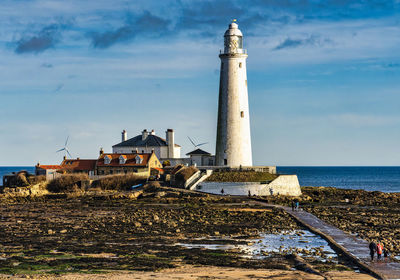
(130, 159)
(78, 164)
(159, 169)
(49, 166)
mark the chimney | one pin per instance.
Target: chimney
(64, 157)
(145, 133)
(124, 135)
(170, 142)
(101, 151)
(152, 132)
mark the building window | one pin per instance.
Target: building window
(107, 160)
(111, 172)
(138, 160)
(241, 114)
(122, 159)
(240, 65)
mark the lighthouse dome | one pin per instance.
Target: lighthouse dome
(233, 30)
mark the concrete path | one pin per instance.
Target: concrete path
(356, 248)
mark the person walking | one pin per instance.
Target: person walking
(222, 191)
(379, 250)
(292, 205)
(297, 205)
(372, 249)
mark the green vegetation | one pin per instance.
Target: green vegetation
(67, 183)
(184, 174)
(32, 180)
(241, 176)
(24, 179)
(119, 182)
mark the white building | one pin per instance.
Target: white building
(148, 142)
(233, 145)
(200, 157)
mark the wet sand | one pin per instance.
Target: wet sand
(209, 272)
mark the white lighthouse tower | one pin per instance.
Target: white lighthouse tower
(233, 146)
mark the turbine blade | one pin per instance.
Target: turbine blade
(192, 141)
(66, 141)
(60, 150)
(202, 144)
(68, 153)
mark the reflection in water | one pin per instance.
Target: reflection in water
(304, 243)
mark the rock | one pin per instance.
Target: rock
(63, 231)
(160, 194)
(137, 224)
(50, 231)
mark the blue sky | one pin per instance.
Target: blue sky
(323, 77)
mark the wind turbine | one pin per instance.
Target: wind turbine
(196, 145)
(65, 149)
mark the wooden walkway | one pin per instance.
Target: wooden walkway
(353, 247)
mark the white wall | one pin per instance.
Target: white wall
(283, 185)
(160, 151)
(233, 135)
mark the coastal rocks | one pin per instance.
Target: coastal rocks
(370, 215)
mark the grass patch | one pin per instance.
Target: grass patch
(184, 174)
(67, 183)
(241, 176)
(119, 182)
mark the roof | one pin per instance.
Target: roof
(150, 141)
(48, 166)
(78, 164)
(130, 159)
(198, 152)
(159, 169)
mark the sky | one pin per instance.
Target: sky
(323, 77)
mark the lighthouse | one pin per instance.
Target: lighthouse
(233, 147)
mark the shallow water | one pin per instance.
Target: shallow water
(303, 242)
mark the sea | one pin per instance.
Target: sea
(370, 178)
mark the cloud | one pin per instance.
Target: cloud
(46, 65)
(313, 40)
(145, 24)
(45, 39)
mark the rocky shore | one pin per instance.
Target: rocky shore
(370, 215)
(96, 232)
